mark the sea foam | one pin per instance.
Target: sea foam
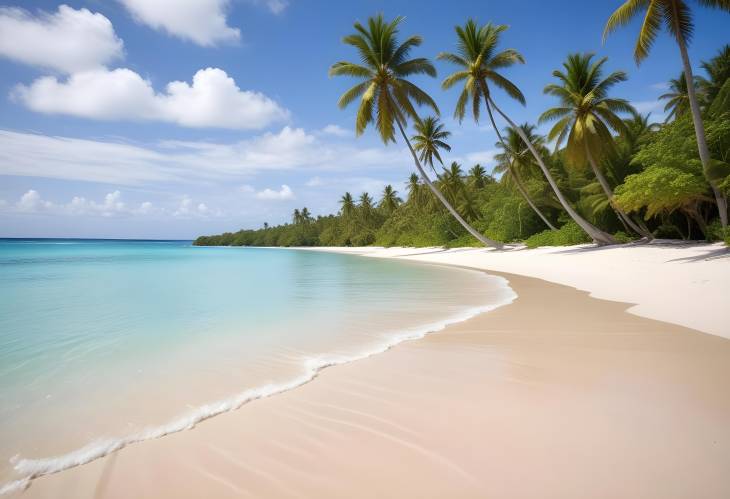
(30, 469)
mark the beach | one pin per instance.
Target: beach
(608, 390)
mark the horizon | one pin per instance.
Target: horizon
(142, 126)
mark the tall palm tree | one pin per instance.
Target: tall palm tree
(296, 216)
(416, 194)
(586, 116)
(677, 98)
(516, 158)
(390, 200)
(348, 205)
(676, 16)
(306, 216)
(479, 63)
(478, 177)
(365, 207)
(430, 137)
(386, 95)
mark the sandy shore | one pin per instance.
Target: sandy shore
(555, 395)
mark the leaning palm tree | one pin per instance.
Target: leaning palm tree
(515, 159)
(677, 98)
(430, 137)
(676, 16)
(387, 97)
(390, 200)
(586, 116)
(479, 64)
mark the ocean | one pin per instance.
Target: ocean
(106, 343)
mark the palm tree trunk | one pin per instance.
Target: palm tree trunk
(598, 236)
(609, 194)
(482, 239)
(704, 151)
(520, 187)
(525, 195)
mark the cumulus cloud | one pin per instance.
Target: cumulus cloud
(188, 208)
(68, 40)
(282, 194)
(212, 100)
(112, 204)
(201, 21)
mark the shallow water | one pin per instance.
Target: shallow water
(105, 343)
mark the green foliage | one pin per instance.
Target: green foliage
(567, 235)
(660, 189)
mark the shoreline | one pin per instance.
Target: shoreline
(687, 284)
(448, 360)
(33, 469)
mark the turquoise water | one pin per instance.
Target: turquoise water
(124, 340)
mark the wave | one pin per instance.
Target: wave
(30, 469)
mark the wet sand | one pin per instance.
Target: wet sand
(555, 395)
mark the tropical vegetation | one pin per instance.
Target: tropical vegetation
(613, 175)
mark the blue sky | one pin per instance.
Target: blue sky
(126, 118)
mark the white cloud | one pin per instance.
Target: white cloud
(648, 106)
(33, 155)
(200, 21)
(336, 130)
(68, 40)
(282, 194)
(314, 182)
(187, 208)
(212, 100)
(482, 157)
(31, 202)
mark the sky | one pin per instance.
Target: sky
(131, 119)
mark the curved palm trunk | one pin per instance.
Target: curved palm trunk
(482, 239)
(704, 151)
(518, 182)
(525, 195)
(598, 236)
(623, 216)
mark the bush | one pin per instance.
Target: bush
(568, 235)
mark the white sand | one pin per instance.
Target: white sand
(685, 284)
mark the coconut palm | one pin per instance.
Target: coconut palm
(390, 200)
(365, 207)
(478, 177)
(676, 16)
(430, 137)
(586, 116)
(515, 159)
(718, 72)
(417, 197)
(479, 64)
(386, 96)
(677, 98)
(306, 216)
(452, 179)
(348, 205)
(296, 216)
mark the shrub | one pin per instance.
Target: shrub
(568, 235)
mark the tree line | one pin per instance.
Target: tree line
(612, 175)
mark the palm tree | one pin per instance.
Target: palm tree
(348, 205)
(452, 179)
(390, 200)
(677, 98)
(516, 158)
(586, 116)
(676, 16)
(479, 63)
(386, 90)
(718, 71)
(296, 216)
(478, 177)
(429, 139)
(306, 216)
(416, 194)
(365, 207)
